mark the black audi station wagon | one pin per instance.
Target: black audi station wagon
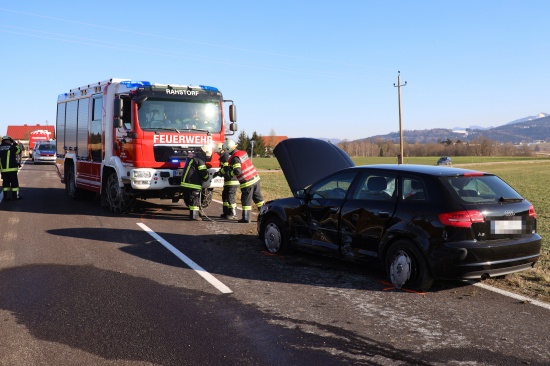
(420, 222)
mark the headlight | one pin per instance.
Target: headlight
(142, 174)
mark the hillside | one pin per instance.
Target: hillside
(519, 132)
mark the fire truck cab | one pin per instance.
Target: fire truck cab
(128, 140)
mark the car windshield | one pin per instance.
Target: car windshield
(46, 147)
(172, 115)
(482, 189)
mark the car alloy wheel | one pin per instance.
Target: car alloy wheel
(407, 266)
(275, 236)
(400, 269)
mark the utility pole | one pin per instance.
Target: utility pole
(400, 157)
(252, 149)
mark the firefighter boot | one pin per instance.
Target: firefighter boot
(194, 215)
(15, 195)
(225, 212)
(7, 195)
(232, 213)
(246, 216)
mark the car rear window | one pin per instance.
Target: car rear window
(46, 147)
(481, 189)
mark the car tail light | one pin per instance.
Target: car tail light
(461, 218)
(532, 212)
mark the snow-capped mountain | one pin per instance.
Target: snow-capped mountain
(530, 118)
(525, 119)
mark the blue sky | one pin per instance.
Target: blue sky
(322, 69)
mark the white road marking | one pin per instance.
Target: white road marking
(512, 295)
(221, 203)
(194, 266)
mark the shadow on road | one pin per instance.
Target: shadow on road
(121, 317)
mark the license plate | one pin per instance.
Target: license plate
(507, 227)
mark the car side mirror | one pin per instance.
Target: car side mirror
(300, 194)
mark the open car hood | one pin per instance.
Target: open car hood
(305, 160)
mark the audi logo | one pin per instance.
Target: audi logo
(509, 213)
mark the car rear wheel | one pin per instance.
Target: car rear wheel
(275, 236)
(406, 267)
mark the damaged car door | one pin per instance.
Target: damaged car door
(367, 213)
(317, 223)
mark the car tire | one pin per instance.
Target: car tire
(406, 266)
(275, 236)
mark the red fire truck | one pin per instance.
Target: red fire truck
(38, 136)
(128, 140)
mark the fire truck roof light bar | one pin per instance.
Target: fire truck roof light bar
(208, 88)
(133, 84)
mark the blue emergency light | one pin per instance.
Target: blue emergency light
(208, 88)
(133, 84)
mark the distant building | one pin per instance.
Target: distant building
(271, 141)
(22, 133)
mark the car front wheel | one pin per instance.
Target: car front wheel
(406, 267)
(275, 236)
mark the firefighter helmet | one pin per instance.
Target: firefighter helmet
(6, 138)
(229, 145)
(207, 150)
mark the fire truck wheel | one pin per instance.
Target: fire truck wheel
(118, 198)
(70, 185)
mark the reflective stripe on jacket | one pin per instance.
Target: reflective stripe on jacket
(195, 173)
(8, 158)
(243, 169)
(225, 169)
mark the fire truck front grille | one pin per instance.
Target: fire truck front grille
(169, 153)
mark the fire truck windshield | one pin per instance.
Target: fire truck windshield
(178, 115)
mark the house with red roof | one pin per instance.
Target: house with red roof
(22, 133)
(271, 141)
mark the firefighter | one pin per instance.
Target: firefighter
(241, 166)
(197, 119)
(9, 167)
(194, 175)
(230, 185)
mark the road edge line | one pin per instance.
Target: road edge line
(512, 295)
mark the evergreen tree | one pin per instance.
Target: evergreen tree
(243, 142)
(259, 145)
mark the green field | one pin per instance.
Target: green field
(529, 176)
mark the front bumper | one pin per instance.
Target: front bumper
(44, 159)
(156, 179)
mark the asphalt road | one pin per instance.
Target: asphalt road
(80, 286)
